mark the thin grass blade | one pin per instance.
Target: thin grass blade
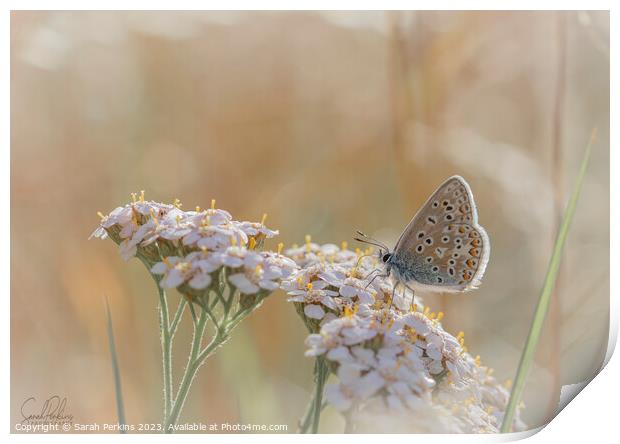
(527, 356)
(120, 406)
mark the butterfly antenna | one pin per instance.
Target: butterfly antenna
(369, 240)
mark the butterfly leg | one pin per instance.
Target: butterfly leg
(393, 292)
(375, 277)
(376, 270)
(412, 294)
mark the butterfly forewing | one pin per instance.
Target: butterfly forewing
(443, 246)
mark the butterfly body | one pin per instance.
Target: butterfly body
(443, 248)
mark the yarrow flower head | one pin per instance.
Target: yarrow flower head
(189, 250)
(392, 358)
(214, 261)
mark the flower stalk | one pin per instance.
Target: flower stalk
(166, 350)
(321, 372)
(212, 260)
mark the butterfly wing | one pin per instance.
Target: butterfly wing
(443, 248)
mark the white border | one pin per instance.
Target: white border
(591, 417)
(333, 5)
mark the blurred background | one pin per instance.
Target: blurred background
(329, 122)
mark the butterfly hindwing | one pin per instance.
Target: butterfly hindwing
(443, 246)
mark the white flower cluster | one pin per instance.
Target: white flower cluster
(252, 271)
(390, 357)
(193, 245)
(332, 278)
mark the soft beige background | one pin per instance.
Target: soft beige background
(329, 122)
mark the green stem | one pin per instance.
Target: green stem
(321, 372)
(232, 293)
(240, 315)
(304, 424)
(177, 317)
(166, 337)
(218, 340)
(527, 357)
(166, 348)
(193, 312)
(196, 359)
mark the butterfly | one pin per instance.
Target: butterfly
(443, 249)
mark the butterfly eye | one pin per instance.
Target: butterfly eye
(386, 257)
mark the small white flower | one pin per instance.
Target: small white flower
(255, 228)
(275, 262)
(315, 296)
(353, 287)
(260, 270)
(316, 345)
(200, 281)
(314, 311)
(419, 322)
(243, 284)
